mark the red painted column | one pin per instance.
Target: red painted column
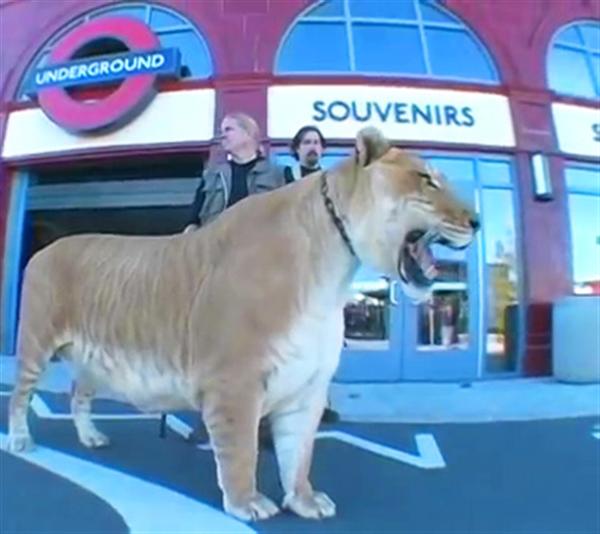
(544, 228)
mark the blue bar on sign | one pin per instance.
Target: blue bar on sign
(104, 69)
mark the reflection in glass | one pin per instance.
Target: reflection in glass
(584, 214)
(315, 47)
(367, 314)
(194, 54)
(572, 61)
(502, 291)
(443, 321)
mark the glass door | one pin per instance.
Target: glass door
(442, 335)
(373, 330)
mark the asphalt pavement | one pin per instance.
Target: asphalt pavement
(511, 477)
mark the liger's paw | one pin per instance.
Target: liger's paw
(253, 509)
(315, 505)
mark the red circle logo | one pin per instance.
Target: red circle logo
(126, 102)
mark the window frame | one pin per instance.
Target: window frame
(419, 23)
(583, 49)
(576, 287)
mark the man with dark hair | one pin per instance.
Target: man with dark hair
(307, 147)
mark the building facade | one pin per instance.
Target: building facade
(110, 110)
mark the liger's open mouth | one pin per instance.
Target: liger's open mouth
(416, 264)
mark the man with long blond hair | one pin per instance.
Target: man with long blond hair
(246, 172)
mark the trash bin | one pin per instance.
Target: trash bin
(576, 338)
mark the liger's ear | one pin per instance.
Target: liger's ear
(370, 145)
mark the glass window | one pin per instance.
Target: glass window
(571, 36)
(163, 19)
(330, 158)
(501, 287)
(455, 169)
(595, 62)
(316, 47)
(494, 173)
(574, 60)
(432, 14)
(444, 321)
(583, 180)
(470, 62)
(333, 8)
(584, 211)
(367, 312)
(194, 55)
(44, 59)
(172, 30)
(583, 184)
(591, 36)
(386, 37)
(402, 45)
(569, 73)
(137, 12)
(382, 9)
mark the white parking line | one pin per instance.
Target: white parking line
(145, 507)
(428, 454)
(41, 409)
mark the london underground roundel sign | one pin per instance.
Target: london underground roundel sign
(138, 69)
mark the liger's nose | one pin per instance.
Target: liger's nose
(474, 222)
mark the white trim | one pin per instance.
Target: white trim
(574, 126)
(172, 118)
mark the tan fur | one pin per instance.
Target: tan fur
(241, 318)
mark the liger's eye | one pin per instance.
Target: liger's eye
(429, 180)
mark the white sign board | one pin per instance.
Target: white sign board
(401, 113)
(577, 129)
(171, 118)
